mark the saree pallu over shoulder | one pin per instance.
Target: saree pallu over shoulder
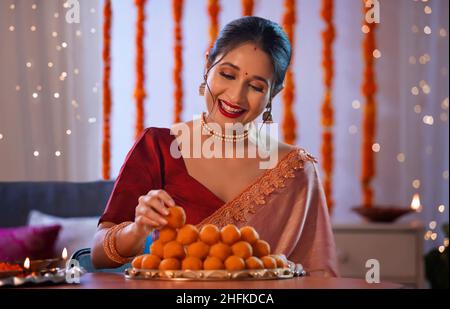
(287, 207)
(238, 210)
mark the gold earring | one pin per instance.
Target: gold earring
(267, 115)
(201, 89)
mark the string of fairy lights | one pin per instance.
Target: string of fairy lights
(61, 44)
(423, 88)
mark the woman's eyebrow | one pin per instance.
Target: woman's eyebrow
(238, 68)
(231, 65)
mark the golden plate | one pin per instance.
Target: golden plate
(56, 275)
(40, 276)
(294, 270)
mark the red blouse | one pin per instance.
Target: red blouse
(150, 166)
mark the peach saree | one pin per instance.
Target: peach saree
(287, 206)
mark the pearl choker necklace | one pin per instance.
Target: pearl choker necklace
(220, 136)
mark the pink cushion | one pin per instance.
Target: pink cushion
(35, 242)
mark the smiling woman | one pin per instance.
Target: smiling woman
(245, 69)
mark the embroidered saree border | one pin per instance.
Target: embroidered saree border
(257, 193)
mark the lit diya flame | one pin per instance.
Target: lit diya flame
(26, 264)
(64, 254)
(415, 203)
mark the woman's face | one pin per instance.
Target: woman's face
(241, 83)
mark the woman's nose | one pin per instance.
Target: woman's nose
(237, 94)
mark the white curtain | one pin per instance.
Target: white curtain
(50, 91)
(416, 90)
(413, 156)
(412, 127)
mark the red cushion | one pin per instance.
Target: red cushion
(35, 242)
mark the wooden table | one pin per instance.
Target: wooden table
(118, 281)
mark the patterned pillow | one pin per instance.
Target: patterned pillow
(35, 242)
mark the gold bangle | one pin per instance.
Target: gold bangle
(109, 244)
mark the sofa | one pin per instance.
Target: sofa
(68, 205)
(62, 199)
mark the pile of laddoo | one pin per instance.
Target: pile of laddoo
(182, 246)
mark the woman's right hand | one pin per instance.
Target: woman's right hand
(151, 211)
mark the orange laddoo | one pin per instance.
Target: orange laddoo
(261, 248)
(249, 234)
(183, 246)
(169, 264)
(212, 263)
(176, 217)
(280, 260)
(198, 249)
(137, 261)
(167, 234)
(150, 261)
(242, 249)
(230, 234)
(174, 249)
(234, 263)
(187, 234)
(157, 248)
(269, 262)
(220, 251)
(209, 234)
(192, 263)
(254, 263)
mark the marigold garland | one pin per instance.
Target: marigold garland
(139, 90)
(289, 123)
(106, 56)
(327, 110)
(247, 7)
(213, 12)
(368, 89)
(177, 11)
